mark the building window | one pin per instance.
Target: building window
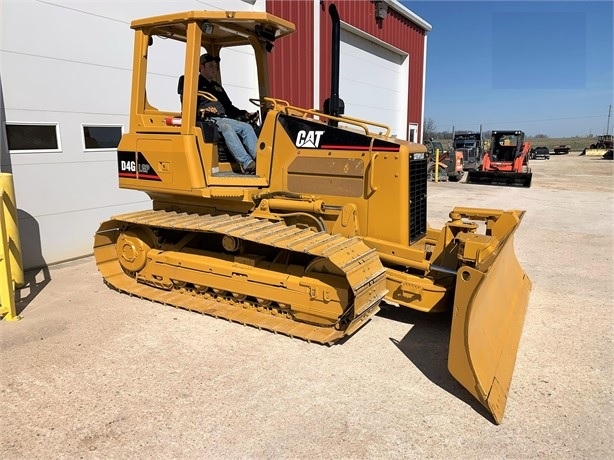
(96, 137)
(33, 137)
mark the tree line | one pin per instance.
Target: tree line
(431, 131)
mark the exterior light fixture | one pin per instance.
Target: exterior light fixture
(381, 10)
(207, 28)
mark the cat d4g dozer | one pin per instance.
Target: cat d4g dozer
(506, 163)
(332, 223)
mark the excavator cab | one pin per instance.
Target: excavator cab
(332, 223)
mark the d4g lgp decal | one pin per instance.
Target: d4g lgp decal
(134, 165)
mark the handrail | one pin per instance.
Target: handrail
(281, 105)
(372, 173)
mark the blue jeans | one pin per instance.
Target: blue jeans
(240, 139)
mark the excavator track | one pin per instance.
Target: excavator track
(332, 297)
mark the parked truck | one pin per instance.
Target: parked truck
(472, 147)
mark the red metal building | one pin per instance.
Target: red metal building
(383, 56)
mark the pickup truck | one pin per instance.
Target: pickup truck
(539, 152)
(562, 149)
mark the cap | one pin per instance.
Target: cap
(209, 58)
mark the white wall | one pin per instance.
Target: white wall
(69, 62)
(379, 94)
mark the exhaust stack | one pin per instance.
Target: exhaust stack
(334, 105)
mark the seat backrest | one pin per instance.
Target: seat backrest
(180, 88)
(210, 131)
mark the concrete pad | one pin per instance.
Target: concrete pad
(92, 373)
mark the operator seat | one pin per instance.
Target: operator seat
(211, 133)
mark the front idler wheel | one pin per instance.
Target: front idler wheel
(132, 248)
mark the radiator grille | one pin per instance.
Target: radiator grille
(470, 155)
(417, 199)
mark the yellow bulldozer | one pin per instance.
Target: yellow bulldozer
(600, 148)
(332, 223)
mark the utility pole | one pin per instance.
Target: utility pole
(607, 131)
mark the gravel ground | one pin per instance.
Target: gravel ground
(91, 373)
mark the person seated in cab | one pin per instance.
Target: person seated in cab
(232, 122)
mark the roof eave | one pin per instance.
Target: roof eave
(413, 17)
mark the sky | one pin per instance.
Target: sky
(543, 67)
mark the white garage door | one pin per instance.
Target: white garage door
(373, 81)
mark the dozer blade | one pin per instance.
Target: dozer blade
(500, 178)
(595, 152)
(490, 305)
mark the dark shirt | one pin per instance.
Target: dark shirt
(216, 90)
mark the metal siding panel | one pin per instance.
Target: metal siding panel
(395, 30)
(291, 62)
